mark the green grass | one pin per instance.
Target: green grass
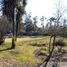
(24, 51)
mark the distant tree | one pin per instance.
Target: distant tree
(29, 27)
(42, 23)
(35, 24)
(4, 27)
(64, 28)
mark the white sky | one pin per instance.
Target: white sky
(43, 7)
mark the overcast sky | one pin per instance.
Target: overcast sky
(43, 7)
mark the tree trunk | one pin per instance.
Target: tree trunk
(13, 38)
(13, 19)
(18, 20)
(50, 54)
(1, 38)
(13, 43)
(50, 44)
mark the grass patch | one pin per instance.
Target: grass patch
(24, 50)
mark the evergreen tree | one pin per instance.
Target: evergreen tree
(14, 9)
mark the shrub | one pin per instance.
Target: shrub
(1, 41)
(59, 43)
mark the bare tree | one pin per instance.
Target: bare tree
(53, 29)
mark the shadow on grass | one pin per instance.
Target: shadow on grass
(6, 49)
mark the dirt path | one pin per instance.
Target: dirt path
(8, 62)
(62, 64)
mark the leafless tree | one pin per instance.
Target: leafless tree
(53, 29)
